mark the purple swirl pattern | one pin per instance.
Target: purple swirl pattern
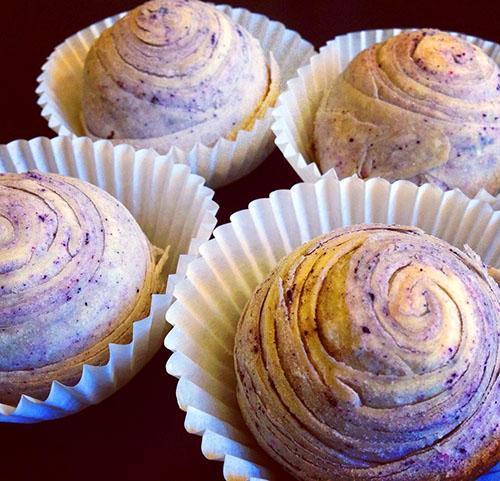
(424, 106)
(372, 353)
(175, 72)
(75, 272)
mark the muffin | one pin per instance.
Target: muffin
(75, 272)
(423, 106)
(175, 73)
(372, 352)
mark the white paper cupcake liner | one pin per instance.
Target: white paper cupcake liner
(60, 87)
(218, 285)
(296, 107)
(174, 209)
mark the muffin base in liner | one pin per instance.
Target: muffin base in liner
(60, 85)
(174, 209)
(296, 107)
(218, 285)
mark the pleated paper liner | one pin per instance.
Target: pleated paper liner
(60, 87)
(296, 108)
(174, 209)
(218, 285)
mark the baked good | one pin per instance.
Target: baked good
(75, 272)
(174, 73)
(423, 106)
(372, 353)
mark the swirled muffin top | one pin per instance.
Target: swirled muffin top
(75, 271)
(173, 72)
(424, 106)
(372, 353)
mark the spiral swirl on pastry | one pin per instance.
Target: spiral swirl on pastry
(372, 353)
(75, 272)
(175, 72)
(424, 106)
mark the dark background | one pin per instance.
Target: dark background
(138, 433)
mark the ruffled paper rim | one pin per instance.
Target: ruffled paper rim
(204, 377)
(255, 140)
(64, 400)
(307, 170)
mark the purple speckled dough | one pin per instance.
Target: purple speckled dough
(173, 73)
(372, 353)
(75, 272)
(423, 106)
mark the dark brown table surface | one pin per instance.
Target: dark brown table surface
(138, 433)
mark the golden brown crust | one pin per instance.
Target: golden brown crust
(371, 353)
